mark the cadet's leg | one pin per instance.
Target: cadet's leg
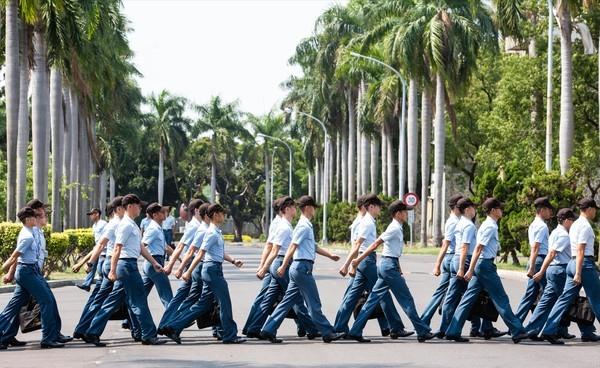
(379, 290)
(353, 293)
(531, 293)
(218, 285)
(9, 319)
(439, 293)
(136, 297)
(171, 311)
(464, 308)
(569, 293)
(256, 304)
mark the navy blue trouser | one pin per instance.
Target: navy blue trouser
(88, 313)
(9, 319)
(365, 279)
(438, 294)
(531, 292)
(390, 279)
(89, 278)
(152, 278)
(252, 315)
(180, 296)
(590, 282)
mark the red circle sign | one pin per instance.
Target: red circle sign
(411, 199)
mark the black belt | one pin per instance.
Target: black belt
(488, 259)
(390, 257)
(584, 257)
(560, 264)
(27, 264)
(157, 256)
(304, 260)
(280, 256)
(542, 255)
(450, 254)
(128, 259)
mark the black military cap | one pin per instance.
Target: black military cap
(36, 204)
(372, 199)
(214, 208)
(285, 202)
(586, 203)
(203, 209)
(24, 213)
(154, 208)
(454, 200)
(464, 203)
(492, 203)
(194, 204)
(307, 200)
(543, 202)
(397, 206)
(132, 199)
(566, 214)
(94, 210)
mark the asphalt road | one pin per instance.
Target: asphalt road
(200, 349)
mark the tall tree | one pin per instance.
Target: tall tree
(12, 77)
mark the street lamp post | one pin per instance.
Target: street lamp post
(325, 169)
(402, 141)
(271, 193)
(291, 158)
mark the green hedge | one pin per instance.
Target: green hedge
(63, 248)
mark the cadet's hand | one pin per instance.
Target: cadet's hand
(76, 268)
(237, 263)
(112, 276)
(468, 276)
(281, 271)
(187, 276)
(178, 273)
(8, 278)
(352, 271)
(355, 263)
(88, 268)
(538, 277)
(436, 271)
(168, 269)
(343, 270)
(530, 273)
(158, 268)
(334, 257)
(261, 273)
(577, 279)
(460, 274)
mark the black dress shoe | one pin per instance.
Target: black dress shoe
(254, 335)
(78, 335)
(64, 339)
(51, 345)
(427, 336)
(160, 331)
(440, 335)
(301, 332)
(475, 334)
(553, 339)
(312, 336)
(590, 338)
(14, 342)
(237, 340)
(174, 336)
(125, 325)
(494, 333)
(456, 338)
(272, 338)
(3, 346)
(385, 332)
(154, 341)
(333, 337)
(522, 336)
(535, 337)
(136, 338)
(356, 338)
(567, 336)
(244, 332)
(84, 287)
(402, 333)
(91, 339)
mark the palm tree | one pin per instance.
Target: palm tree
(23, 129)
(167, 126)
(222, 121)
(12, 102)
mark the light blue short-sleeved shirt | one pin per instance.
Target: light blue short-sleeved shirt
(466, 233)
(154, 238)
(449, 232)
(304, 236)
(213, 244)
(129, 234)
(581, 232)
(393, 240)
(168, 223)
(98, 230)
(560, 242)
(38, 235)
(367, 230)
(354, 228)
(189, 232)
(273, 228)
(110, 234)
(199, 235)
(283, 236)
(488, 237)
(144, 223)
(538, 233)
(28, 246)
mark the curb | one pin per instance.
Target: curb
(52, 283)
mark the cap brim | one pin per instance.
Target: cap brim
(90, 213)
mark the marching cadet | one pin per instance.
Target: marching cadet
(444, 260)
(128, 285)
(538, 241)
(554, 269)
(486, 278)
(182, 247)
(366, 276)
(390, 277)
(302, 286)
(581, 272)
(154, 240)
(145, 222)
(168, 226)
(466, 240)
(266, 277)
(280, 242)
(30, 282)
(215, 285)
(98, 225)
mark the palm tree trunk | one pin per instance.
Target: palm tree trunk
(267, 192)
(317, 179)
(384, 166)
(565, 138)
(330, 168)
(439, 142)
(161, 173)
(40, 112)
(213, 169)
(74, 179)
(66, 155)
(81, 169)
(359, 146)
(311, 187)
(425, 150)
(344, 164)
(23, 130)
(375, 165)
(57, 123)
(338, 163)
(102, 190)
(112, 185)
(402, 146)
(12, 79)
(391, 172)
(365, 146)
(412, 133)
(549, 87)
(351, 171)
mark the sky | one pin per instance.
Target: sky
(238, 49)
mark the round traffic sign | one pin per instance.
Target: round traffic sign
(411, 199)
